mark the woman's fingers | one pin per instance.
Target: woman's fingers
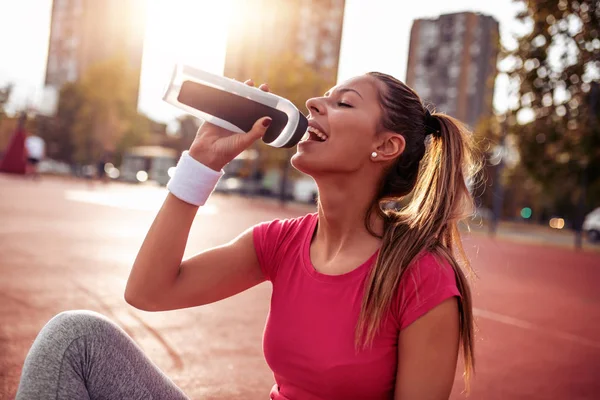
(264, 87)
(242, 142)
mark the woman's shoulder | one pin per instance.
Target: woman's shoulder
(428, 274)
(275, 240)
(429, 264)
(428, 280)
(286, 226)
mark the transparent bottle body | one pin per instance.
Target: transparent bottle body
(185, 75)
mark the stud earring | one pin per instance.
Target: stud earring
(374, 154)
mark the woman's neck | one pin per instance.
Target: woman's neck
(343, 203)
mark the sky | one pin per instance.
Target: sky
(375, 37)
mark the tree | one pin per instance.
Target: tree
(555, 68)
(109, 89)
(289, 76)
(188, 126)
(6, 125)
(4, 97)
(97, 115)
(59, 132)
(296, 80)
(137, 132)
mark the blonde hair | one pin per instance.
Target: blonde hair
(436, 176)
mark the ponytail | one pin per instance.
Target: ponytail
(435, 175)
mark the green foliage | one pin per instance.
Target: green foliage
(291, 77)
(554, 67)
(62, 137)
(4, 97)
(188, 126)
(109, 108)
(135, 134)
(294, 79)
(98, 113)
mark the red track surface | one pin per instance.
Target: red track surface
(64, 245)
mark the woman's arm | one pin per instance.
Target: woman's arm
(427, 354)
(159, 280)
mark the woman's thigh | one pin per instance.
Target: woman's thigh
(84, 355)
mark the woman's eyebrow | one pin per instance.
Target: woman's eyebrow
(343, 90)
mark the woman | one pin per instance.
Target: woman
(366, 303)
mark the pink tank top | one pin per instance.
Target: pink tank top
(309, 335)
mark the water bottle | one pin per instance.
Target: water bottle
(235, 106)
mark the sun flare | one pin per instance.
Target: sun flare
(192, 32)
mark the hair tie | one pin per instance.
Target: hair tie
(432, 125)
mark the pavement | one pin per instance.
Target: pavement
(526, 232)
(66, 244)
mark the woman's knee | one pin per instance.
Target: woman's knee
(63, 344)
(63, 332)
(77, 323)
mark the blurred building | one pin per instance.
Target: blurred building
(452, 63)
(84, 32)
(263, 30)
(143, 163)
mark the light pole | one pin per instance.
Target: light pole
(594, 109)
(285, 178)
(498, 194)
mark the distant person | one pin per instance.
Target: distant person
(101, 167)
(36, 150)
(366, 303)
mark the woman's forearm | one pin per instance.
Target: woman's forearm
(157, 264)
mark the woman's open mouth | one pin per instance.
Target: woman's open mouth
(314, 134)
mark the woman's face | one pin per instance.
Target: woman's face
(347, 117)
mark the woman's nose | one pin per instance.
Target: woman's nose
(315, 106)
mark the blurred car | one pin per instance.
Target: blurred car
(49, 166)
(144, 163)
(483, 214)
(234, 184)
(305, 190)
(591, 225)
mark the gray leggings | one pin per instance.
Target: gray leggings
(83, 355)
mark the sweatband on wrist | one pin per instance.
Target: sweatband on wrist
(193, 182)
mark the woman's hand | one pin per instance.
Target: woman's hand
(215, 147)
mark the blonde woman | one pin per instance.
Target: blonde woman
(367, 302)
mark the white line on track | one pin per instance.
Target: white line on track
(144, 200)
(507, 320)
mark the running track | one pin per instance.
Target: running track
(65, 245)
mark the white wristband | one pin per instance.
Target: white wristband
(193, 181)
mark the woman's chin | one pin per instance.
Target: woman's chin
(304, 162)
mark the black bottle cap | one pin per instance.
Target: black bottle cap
(299, 132)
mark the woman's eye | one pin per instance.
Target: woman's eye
(342, 104)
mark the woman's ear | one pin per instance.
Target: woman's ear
(389, 146)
